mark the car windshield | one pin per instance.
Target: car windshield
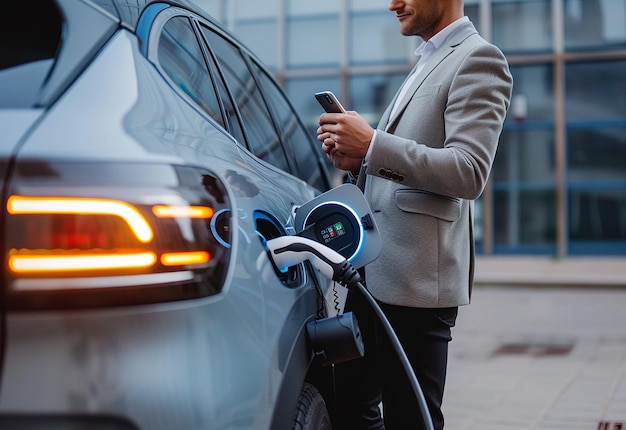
(28, 47)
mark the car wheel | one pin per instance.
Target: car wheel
(312, 413)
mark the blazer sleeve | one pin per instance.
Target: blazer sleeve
(445, 141)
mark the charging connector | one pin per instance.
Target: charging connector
(286, 251)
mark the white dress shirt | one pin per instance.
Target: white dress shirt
(424, 53)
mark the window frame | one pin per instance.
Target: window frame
(234, 127)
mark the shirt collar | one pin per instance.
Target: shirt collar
(437, 40)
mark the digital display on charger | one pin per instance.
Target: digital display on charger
(337, 231)
(332, 232)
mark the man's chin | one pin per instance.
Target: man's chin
(407, 31)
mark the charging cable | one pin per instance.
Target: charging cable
(286, 251)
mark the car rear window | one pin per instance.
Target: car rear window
(27, 50)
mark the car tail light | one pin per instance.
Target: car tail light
(98, 242)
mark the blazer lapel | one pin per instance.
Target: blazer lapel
(455, 39)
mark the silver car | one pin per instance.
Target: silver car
(146, 156)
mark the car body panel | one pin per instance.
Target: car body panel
(231, 360)
(161, 368)
(21, 121)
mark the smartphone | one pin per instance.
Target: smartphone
(329, 102)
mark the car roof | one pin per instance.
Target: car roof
(129, 11)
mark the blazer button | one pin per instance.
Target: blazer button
(386, 173)
(394, 176)
(400, 178)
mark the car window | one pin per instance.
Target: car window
(27, 56)
(296, 141)
(261, 134)
(233, 120)
(180, 56)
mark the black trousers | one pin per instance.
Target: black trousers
(364, 382)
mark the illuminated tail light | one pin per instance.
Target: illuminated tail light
(32, 263)
(75, 251)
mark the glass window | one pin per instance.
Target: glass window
(262, 138)
(255, 9)
(596, 120)
(26, 56)
(595, 91)
(375, 38)
(370, 94)
(314, 41)
(524, 192)
(261, 37)
(597, 220)
(522, 25)
(313, 7)
(472, 12)
(180, 56)
(297, 142)
(232, 119)
(596, 156)
(596, 167)
(214, 7)
(301, 93)
(594, 23)
(369, 5)
(525, 155)
(533, 94)
(42, 52)
(526, 221)
(524, 186)
(256, 24)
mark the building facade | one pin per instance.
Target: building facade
(558, 186)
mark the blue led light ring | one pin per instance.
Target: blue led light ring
(216, 235)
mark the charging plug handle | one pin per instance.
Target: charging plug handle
(287, 251)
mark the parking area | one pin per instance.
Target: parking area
(539, 357)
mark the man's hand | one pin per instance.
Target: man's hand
(339, 160)
(345, 139)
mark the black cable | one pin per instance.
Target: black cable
(347, 275)
(336, 297)
(395, 342)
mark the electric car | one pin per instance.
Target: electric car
(146, 158)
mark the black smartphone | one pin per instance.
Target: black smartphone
(329, 102)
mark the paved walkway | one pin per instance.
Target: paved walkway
(539, 357)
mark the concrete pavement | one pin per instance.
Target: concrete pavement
(540, 352)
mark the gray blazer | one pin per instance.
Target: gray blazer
(427, 165)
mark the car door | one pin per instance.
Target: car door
(273, 130)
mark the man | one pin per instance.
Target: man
(420, 170)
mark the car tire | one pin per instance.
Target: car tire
(311, 413)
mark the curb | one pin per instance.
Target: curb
(539, 271)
